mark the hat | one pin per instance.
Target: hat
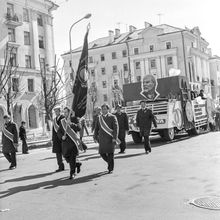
(118, 106)
(105, 105)
(142, 101)
(6, 116)
(57, 107)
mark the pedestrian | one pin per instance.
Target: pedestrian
(9, 141)
(57, 146)
(23, 137)
(69, 125)
(106, 133)
(81, 132)
(122, 119)
(95, 117)
(144, 120)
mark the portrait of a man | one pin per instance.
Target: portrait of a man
(149, 88)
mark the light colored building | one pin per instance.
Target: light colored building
(161, 50)
(214, 63)
(27, 27)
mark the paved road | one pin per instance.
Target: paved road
(153, 187)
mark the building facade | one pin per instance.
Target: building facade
(27, 32)
(160, 50)
(214, 63)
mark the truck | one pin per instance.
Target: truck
(175, 107)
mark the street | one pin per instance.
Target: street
(151, 186)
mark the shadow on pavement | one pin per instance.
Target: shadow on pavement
(28, 177)
(4, 170)
(50, 184)
(48, 158)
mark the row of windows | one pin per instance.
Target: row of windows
(27, 38)
(124, 52)
(15, 84)
(26, 17)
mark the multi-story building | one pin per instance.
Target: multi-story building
(160, 50)
(27, 32)
(214, 63)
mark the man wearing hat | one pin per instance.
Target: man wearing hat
(122, 119)
(9, 141)
(144, 120)
(57, 146)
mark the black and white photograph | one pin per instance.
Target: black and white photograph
(109, 110)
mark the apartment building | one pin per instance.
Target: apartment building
(27, 32)
(161, 50)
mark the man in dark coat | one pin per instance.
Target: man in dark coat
(23, 137)
(106, 133)
(95, 117)
(57, 147)
(10, 141)
(144, 120)
(70, 140)
(122, 119)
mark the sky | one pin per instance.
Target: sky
(107, 14)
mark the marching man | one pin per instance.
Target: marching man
(9, 141)
(106, 133)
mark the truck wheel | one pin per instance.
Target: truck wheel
(168, 134)
(136, 137)
(194, 131)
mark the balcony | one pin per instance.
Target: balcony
(13, 20)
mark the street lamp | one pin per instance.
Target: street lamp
(85, 17)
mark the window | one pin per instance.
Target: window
(114, 69)
(92, 72)
(102, 56)
(105, 98)
(42, 63)
(168, 45)
(41, 42)
(27, 39)
(13, 59)
(137, 65)
(30, 85)
(138, 78)
(103, 71)
(10, 9)
(39, 20)
(104, 84)
(124, 53)
(153, 64)
(90, 59)
(136, 51)
(151, 48)
(192, 44)
(114, 55)
(15, 84)
(11, 34)
(125, 67)
(25, 15)
(27, 61)
(169, 60)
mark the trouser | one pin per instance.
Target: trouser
(24, 146)
(109, 158)
(123, 143)
(60, 160)
(72, 162)
(11, 157)
(147, 144)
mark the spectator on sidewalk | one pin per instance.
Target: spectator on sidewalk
(10, 141)
(81, 132)
(106, 133)
(95, 117)
(57, 147)
(23, 137)
(122, 119)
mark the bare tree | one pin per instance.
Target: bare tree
(53, 87)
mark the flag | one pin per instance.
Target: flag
(80, 87)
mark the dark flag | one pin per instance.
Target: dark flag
(80, 87)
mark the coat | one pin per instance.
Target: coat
(68, 146)
(106, 144)
(144, 121)
(57, 147)
(83, 127)
(8, 145)
(122, 123)
(22, 133)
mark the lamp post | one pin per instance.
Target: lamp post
(70, 42)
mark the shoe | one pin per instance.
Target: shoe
(121, 152)
(147, 152)
(78, 165)
(59, 170)
(25, 153)
(12, 167)
(110, 171)
(72, 175)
